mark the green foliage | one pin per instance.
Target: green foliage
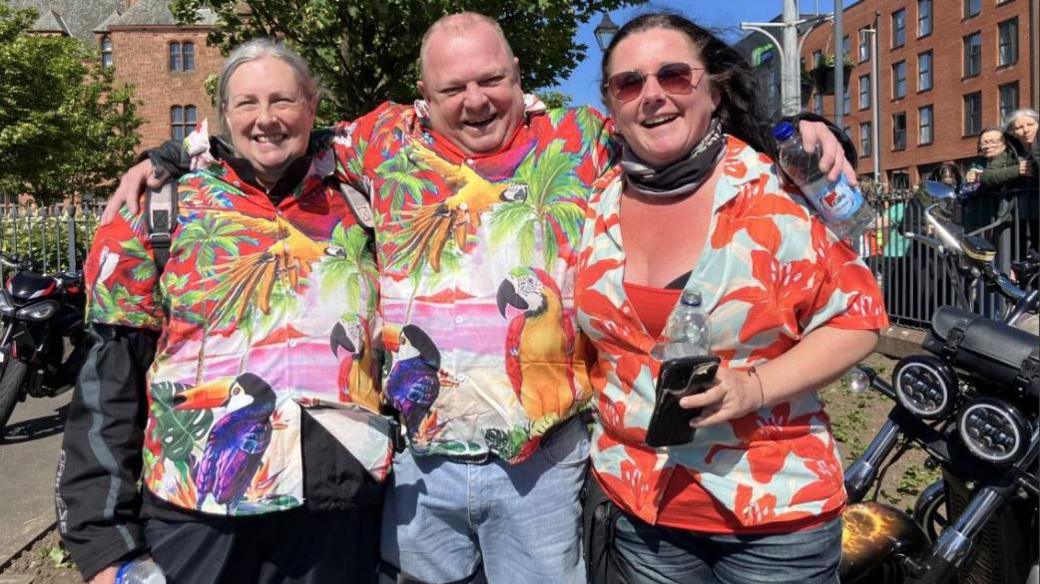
(555, 99)
(177, 429)
(55, 555)
(367, 52)
(64, 127)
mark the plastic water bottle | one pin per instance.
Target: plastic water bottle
(142, 570)
(840, 205)
(686, 333)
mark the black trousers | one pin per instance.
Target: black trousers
(293, 547)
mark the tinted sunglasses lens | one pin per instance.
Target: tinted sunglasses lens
(676, 78)
(626, 86)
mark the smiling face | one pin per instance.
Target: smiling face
(269, 116)
(1024, 128)
(472, 84)
(991, 143)
(658, 126)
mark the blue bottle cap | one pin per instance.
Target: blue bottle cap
(783, 131)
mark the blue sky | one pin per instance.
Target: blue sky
(723, 15)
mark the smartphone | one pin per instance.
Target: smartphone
(670, 422)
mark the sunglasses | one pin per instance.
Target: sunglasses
(674, 78)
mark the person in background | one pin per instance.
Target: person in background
(1022, 124)
(697, 203)
(948, 174)
(212, 428)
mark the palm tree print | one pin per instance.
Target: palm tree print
(553, 212)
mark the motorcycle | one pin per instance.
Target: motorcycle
(972, 405)
(39, 312)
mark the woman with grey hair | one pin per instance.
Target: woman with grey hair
(212, 429)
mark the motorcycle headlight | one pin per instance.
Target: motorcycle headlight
(39, 311)
(925, 386)
(5, 304)
(993, 430)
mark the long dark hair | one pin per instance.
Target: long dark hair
(739, 110)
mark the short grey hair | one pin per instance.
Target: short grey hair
(1028, 112)
(459, 23)
(260, 48)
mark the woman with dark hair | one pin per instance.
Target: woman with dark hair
(698, 203)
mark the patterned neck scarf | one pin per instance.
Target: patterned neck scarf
(680, 177)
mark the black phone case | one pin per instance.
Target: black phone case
(669, 422)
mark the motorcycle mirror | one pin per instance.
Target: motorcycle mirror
(931, 192)
(858, 380)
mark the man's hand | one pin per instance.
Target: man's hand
(131, 186)
(1025, 168)
(832, 159)
(106, 576)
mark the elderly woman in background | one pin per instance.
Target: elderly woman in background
(697, 203)
(1022, 124)
(212, 428)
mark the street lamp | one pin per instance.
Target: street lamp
(605, 31)
(875, 104)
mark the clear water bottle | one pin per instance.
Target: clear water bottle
(686, 334)
(841, 205)
(142, 570)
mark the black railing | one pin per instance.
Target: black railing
(56, 236)
(916, 279)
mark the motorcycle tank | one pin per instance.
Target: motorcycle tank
(872, 533)
(26, 286)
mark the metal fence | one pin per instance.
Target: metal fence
(916, 279)
(56, 236)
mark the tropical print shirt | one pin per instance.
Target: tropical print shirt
(250, 303)
(769, 274)
(476, 258)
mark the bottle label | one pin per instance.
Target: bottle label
(836, 203)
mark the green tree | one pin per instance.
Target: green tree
(64, 127)
(367, 52)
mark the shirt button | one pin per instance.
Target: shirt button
(460, 319)
(292, 342)
(236, 183)
(469, 161)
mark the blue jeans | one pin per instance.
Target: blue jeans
(645, 554)
(447, 521)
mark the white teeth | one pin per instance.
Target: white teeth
(268, 139)
(658, 120)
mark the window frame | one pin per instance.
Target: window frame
(866, 137)
(896, 80)
(864, 47)
(976, 128)
(896, 132)
(1001, 113)
(921, 125)
(966, 48)
(107, 60)
(928, 17)
(181, 57)
(1013, 42)
(898, 32)
(864, 92)
(968, 5)
(921, 71)
(184, 122)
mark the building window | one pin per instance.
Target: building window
(846, 48)
(972, 8)
(106, 51)
(864, 91)
(817, 59)
(846, 102)
(864, 44)
(817, 103)
(899, 180)
(866, 147)
(924, 125)
(1008, 100)
(182, 121)
(924, 71)
(1008, 47)
(972, 113)
(899, 131)
(924, 17)
(898, 28)
(182, 56)
(973, 54)
(899, 80)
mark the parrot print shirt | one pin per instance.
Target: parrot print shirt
(476, 259)
(265, 311)
(769, 274)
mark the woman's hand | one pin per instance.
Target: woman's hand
(131, 186)
(735, 394)
(832, 155)
(106, 576)
(1025, 168)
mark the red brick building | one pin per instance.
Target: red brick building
(167, 64)
(947, 69)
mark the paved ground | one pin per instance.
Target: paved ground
(28, 455)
